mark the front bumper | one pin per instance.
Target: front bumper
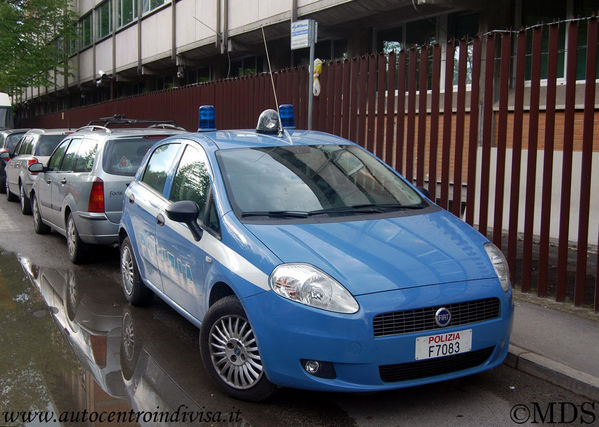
(288, 332)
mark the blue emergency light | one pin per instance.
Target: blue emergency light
(287, 115)
(207, 121)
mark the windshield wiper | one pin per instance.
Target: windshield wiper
(367, 208)
(277, 214)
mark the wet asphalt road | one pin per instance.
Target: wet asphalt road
(69, 342)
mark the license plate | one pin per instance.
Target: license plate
(440, 345)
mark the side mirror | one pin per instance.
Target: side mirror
(36, 167)
(425, 192)
(187, 212)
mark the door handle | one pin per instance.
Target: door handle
(160, 219)
(131, 198)
(63, 181)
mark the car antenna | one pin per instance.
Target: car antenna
(272, 82)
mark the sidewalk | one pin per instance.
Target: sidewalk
(557, 343)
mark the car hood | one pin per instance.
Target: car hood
(384, 254)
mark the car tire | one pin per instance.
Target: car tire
(226, 321)
(25, 202)
(136, 292)
(9, 196)
(76, 248)
(131, 344)
(38, 224)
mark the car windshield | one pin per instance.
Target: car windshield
(123, 156)
(301, 181)
(47, 144)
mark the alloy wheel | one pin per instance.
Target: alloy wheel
(234, 352)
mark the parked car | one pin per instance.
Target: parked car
(307, 262)
(8, 141)
(34, 147)
(80, 191)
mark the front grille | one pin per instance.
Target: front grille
(432, 367)
(423, 319)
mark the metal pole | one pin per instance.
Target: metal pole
(311, 74)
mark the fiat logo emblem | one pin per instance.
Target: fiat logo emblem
(442, 317)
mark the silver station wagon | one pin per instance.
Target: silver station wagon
(79, 193)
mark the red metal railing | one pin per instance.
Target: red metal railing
(508, 153)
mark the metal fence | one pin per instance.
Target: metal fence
(501, 129)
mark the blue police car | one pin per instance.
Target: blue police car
(307, 262)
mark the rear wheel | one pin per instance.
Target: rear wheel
(76, 248)
(25, 202)
(136, 292)
(9, 196)
(38, 225)
(230, 352)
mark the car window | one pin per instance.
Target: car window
(86, 156)
(310, 178)
(46, 144)
(191, 180)
(12, 140)
(158, 166)
(123, 156)
(54, 162)
(25, 147)
(69, 157)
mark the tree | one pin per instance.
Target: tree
(33, 39)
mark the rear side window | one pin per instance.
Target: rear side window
(46, 144)
(54, 162)
(69, 157)
(123, 156)
(158, 166)
(85, 156)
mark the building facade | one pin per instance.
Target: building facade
(127, 47)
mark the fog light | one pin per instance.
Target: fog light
(319, 368)
(312, 367)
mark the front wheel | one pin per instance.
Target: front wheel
(230, 352)
(25, 202)
(77, 249)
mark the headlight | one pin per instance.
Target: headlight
(308, 285)
(499, 264)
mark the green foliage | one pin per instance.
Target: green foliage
(32, 42)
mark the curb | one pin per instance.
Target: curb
(554, 372)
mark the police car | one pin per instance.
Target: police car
(307, 262)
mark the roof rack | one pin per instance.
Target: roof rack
(93, 128)
(120, 119)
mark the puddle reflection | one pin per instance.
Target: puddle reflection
(133, 359)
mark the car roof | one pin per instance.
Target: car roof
(249, 138)
(62, 131)
(112, 133)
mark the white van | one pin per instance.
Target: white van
(6, 120)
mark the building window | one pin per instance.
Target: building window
(104, 20)
(85, 26)
(149, 5)
(126, 12)
(73, 38)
